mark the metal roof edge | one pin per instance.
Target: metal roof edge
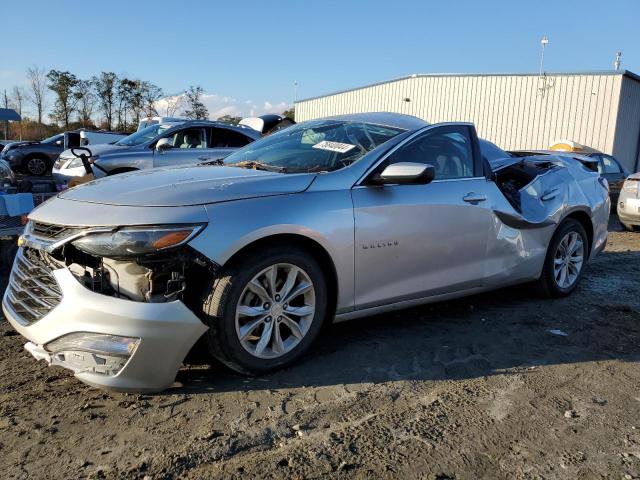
(626, 73)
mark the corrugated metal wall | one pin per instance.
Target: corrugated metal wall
(627, 138)
(513, 111)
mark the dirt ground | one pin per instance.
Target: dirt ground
(468, 389)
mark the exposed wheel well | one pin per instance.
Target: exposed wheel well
(309, 245)
(585, 221)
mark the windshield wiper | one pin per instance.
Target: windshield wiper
(255, 165)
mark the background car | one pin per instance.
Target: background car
(34, 158)
(159, 145)
(628, 206)
(606, 165)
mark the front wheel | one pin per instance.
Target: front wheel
(36, 166)
(628, 227)
(565, 260)
(266, 309)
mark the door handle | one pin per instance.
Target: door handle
(204, 157)
(474, 197)
(551, 194)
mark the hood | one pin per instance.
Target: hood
(189, 185)
(12, 145)
(97, 149)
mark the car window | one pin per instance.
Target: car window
(225, 138)
(189, 138)
(448, 149)
(610, 165)
(314, 146)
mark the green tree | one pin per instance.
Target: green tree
(229, 119)
(290, 114)
(106, 89)
(63, 84)
(195, 109)
(86, 102)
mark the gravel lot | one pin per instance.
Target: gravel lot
(468, 389)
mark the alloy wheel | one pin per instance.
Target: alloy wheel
(36, 166)
(275, 310)
(568, 260)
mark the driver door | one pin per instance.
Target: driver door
(189, 146)
(415, 241)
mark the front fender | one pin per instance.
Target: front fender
(324, 217)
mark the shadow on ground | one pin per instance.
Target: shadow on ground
(466, 338)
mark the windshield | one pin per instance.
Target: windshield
(143, 135)
(52, 139)
(315, 146)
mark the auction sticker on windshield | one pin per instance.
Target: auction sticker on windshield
(334, 146)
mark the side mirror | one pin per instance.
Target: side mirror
(163, 144)
(405, 173)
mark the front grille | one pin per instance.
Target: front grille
(46, 231)
(33, 290)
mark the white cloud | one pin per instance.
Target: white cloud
(220, 105)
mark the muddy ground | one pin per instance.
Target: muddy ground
(468, 389)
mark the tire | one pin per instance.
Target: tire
(630, 228)
(35, 165)
(221, 302)
(551, 282)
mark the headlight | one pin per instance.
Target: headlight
(134, 241)
(77, 162)
(631, 186)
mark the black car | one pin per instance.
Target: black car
(34, 158)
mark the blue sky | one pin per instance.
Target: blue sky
(246, 53)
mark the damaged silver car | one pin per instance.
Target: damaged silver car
(327, 220)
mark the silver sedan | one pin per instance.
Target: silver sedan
(328, 220)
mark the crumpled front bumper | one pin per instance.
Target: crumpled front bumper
(167, 331)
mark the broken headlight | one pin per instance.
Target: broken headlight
(135, 241)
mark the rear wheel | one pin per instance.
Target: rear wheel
(565, 260)
(266, 309)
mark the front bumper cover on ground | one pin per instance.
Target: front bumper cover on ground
(167, 331)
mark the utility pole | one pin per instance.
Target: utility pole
(295, 91)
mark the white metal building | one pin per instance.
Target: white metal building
(515, 111)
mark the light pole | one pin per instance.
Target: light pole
(295, 91)
(544, 42)
(616, 64)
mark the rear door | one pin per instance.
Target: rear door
(414, 241)
(224, 141)
(189, 146)
(611, 170)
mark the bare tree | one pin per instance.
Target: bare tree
(37, 89)
(5, 104)
(18, 96)
(174, 103)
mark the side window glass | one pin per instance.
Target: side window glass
(189, 138)
(610, 165)
(224, 138)
(448, 149)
